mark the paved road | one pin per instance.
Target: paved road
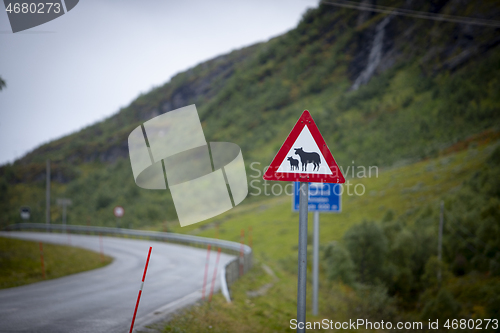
(103, 300)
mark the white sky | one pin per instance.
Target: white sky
(83, 66)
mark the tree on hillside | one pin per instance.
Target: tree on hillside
(2, 83)
(367, 246)
(338, 264)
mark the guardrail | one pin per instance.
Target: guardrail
(231, 272)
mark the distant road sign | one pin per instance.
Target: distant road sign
(118, 211)
(64, 202)
(25, 213)
(323, 197)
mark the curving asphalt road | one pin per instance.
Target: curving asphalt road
(103, 300)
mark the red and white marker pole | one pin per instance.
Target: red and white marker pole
(206, 272)
(250, 236)
(215, 275)
(140, 290)
(41, 259)
(101, 248)
(241, 250)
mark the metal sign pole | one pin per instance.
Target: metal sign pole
(302, 276)
(315, 263)
(64, 202)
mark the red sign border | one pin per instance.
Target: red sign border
(272, 174)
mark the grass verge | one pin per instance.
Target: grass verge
(20, 262)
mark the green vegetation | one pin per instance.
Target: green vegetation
(404, 287)
(20, 261)
(400, 253)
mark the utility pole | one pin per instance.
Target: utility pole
(315, 263)
(440, 241)
(47, 194)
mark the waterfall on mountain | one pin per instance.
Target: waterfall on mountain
(375, 54)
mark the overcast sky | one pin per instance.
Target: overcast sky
(83, 66)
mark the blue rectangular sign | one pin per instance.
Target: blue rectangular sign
(323, 197)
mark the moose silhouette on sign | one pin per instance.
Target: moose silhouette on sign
(294, 164)
(306, 158)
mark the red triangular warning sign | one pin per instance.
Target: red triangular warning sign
(304, 157)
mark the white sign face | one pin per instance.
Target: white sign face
(305, 156)
(119, 211)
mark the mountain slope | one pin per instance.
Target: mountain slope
(418, 89)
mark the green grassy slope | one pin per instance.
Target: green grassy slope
(20, 261)
(404, 190)
(407, 191)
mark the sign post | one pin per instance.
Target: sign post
(315, 262)
(64, 203)
(304, 157)
(323, 197)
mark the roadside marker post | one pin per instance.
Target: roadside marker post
(101, 248)
(41, 259)
(214, 276)
(242, 238)
(250, 243)
(140, 290)
(206, 272)
(304, 157)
